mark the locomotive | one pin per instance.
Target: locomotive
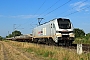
(57, 31)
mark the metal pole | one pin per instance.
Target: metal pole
(14, 29)
(8, 32)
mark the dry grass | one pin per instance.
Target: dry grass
(50, 52)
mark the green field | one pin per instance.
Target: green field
(49, 52)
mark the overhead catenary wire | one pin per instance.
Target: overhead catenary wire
(40, 7)
(35, 12)
(57, 8)
(77, 11)
(72, 7)
(49, 7)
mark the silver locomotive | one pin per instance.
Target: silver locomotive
(58, 31)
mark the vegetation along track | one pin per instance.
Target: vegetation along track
(9, 53)
(85, 47)
(16, 51)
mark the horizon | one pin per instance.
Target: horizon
(22, 15)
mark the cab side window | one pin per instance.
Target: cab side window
(53, 25)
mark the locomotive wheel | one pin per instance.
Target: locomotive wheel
(35, 40)
(47, 42)
(56, 44)
(51, 42)
(68, 43)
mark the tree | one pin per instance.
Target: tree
(79, 33)
(87, 36)
(16, 33)
(1, 38)
(10, 35)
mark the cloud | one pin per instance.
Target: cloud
(86, 10)
(24, 16)
(20, 16)
(79, 5)
(85, 23)
(1, 15)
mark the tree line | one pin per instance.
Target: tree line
(79, 35)
(14, 33)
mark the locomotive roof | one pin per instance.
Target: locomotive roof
(52, 20)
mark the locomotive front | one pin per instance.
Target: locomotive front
(64, 31)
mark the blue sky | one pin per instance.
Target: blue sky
(24, 14)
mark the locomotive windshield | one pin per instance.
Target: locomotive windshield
(64, 23)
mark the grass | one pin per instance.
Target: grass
(40, 52)
(6, 40)
(50, 52)
(82, 40)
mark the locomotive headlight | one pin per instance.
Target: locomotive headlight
(58, 34)
(71, 34)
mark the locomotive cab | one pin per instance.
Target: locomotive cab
(64, 31)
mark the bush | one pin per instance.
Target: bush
(1, 38)
(83, 40)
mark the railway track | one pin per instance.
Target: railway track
(85, 47)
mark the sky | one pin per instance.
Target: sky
(22, 15)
